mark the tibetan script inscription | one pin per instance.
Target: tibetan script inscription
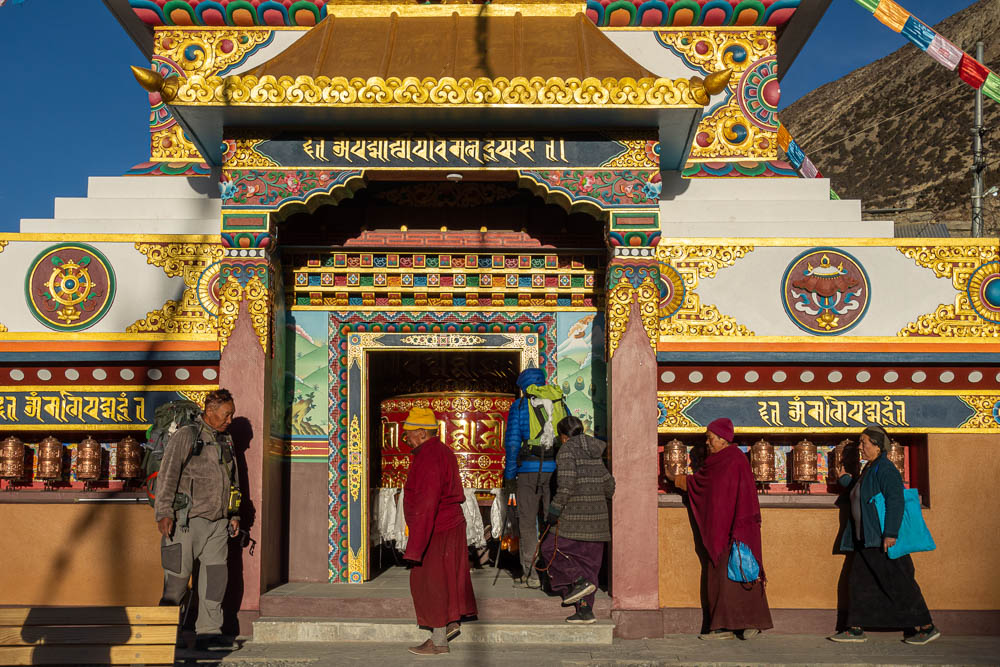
(830, 411)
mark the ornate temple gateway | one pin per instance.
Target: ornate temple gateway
(353, 205)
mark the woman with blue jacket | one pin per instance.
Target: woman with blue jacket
(882, 592)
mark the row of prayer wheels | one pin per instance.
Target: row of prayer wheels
(88, 459)
(803, 459)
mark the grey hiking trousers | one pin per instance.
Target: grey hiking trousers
(207, 542)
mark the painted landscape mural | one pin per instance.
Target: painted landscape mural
(581, 368)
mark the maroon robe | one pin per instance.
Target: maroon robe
(440, 583)
(723, 499)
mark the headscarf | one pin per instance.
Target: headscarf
(878, 436)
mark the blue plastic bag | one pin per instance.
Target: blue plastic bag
(913, 533)
(743, 566)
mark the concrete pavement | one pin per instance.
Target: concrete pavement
(768, 649)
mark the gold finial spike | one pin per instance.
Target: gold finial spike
(716, 82)
(150, 81)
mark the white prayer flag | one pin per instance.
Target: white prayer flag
(808, 169)
(944, 52)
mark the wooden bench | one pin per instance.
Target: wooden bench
(88, 635)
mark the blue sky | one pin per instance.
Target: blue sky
(71, 109)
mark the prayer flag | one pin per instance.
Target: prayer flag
(891, 14)
(870, 5)
(918, 33)
(783, 138)
(944, 52)
(795, 154)
(991, 87)
(972, 71)
(808, 169)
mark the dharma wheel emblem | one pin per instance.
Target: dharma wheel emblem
(70, 287)
(825, 291)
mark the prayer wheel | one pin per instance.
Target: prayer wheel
(762, 461)
(471, 423)
(50, 459)
(836, 459)
(804, 462)
(88, 460)
(675, 458)
(128, 457)
(12, 458)
(897, 454)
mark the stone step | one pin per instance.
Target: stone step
(273, 630)
(689, 210)
(156, 187)
(744, 189)
(136, 208)
(879, 229)
(209, 226)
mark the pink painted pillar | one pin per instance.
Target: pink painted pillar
(634, 461)
(243, 370)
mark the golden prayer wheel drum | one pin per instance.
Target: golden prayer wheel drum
(88, 460)
(804, 462)
(897, 454)
(762, 461)
(128, 457)
(675, 458)
(50, 459)
(471, 423)
(836, 459)
(12, 458)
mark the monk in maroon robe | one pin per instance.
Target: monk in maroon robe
(723, 499)
(440, 583)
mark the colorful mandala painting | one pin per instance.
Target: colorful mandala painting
(70, 287)
(825, 291)
(984, 291)
(759, 93)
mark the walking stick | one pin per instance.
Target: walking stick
(511, 503)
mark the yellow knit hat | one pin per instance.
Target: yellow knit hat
(420, 418)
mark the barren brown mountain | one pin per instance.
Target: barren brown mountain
(896, 133)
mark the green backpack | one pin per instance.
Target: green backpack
(166, 420)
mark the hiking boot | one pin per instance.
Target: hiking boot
(584, 615)
(717, 634)
(749, 633)
(581, 589)
(850, 635)
(921, 637)
(454, 630)
(214, 643)
(428, 648)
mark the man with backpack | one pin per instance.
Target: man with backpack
(530, 444)
(197, 503)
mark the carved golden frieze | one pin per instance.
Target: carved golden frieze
(638, 156)
(230, 297)
(672, 412)
(258, 300)
(207, 52)
(716, 49)
(188, 261)
(245, 156)
(198, 396)
(983, 406)
(172, 145)
(693, 263)
(960, 263)
(727, 134)
(199, 90)
(620, 299)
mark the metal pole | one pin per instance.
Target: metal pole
(978, 163)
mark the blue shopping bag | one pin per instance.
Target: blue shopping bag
(743, 566)
(913, 533)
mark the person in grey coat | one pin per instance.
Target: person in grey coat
(573, 549)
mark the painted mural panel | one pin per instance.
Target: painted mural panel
(581, 368)
(307, 382)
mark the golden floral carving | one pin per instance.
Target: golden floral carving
(247, 157)
(722, 44)
(354, 458)
(187, 261)
(635, 157)
(207, 52)
(340, 91)
(620, 299)
(983, 405)
(724, 140)
(194, 395)
(673, 409)
(171, 145)
(259, 308)
(693, 263)
(231, 295)
(959, 263)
